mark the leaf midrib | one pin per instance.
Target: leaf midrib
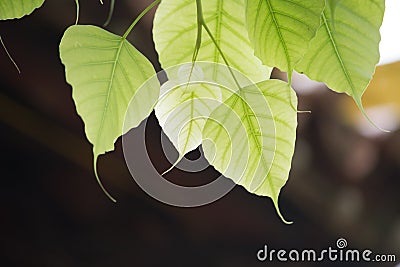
(285, 49)
(191, 121)
(218, 22)
(109, 88)
(259, 148)
(337, 54)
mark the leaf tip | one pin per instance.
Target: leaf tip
(9, 55)
(99, 181)
(168, 170)
(364, 113)
(278, 211)
(173, 165)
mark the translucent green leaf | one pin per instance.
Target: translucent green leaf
(332, 5)
(15, 9)
(345, 50)
(177, 42)
(106, 72)
(183, 108)
(175, 35)
(281, 30)
(251, 138)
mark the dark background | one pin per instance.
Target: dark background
(53, 213)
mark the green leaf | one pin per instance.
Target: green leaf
(106, 73)
(281, 30)
(175, 34)
(15, 9)
(184, 107)
(332, 5)
(250, 138)
(345, 50)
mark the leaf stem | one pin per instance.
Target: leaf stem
(202, 23)
(199, 10)
(144, 12)
(222, 54)
(110, 13)
(77, 12)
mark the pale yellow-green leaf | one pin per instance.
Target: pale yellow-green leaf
(183, 108)
(281, 30)
(106, 73)
(345, 50)
(251, 138)
(175, 33)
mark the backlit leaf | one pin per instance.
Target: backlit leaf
(106, 72)
(251, 138)
(183, 108)
(281, 30)
(15, 9)
(345, 50)
(175, 33)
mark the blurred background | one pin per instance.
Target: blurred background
(344, 182)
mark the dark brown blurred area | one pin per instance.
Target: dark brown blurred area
(53, 212)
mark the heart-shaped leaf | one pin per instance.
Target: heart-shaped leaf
(106, 73)
(345, 50)
(250, 138)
